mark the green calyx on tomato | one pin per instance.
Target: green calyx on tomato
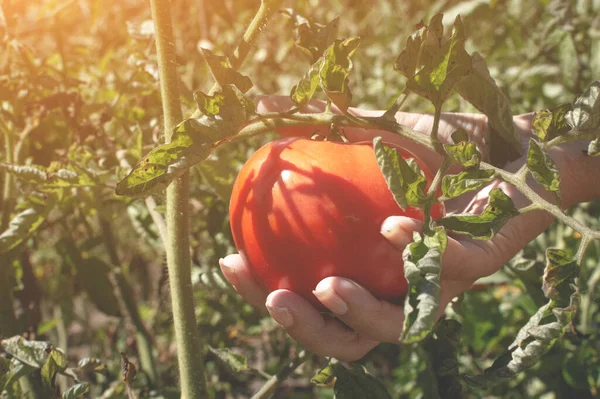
(302, 210)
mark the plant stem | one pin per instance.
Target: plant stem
(434, 130)
(189, 346)
(271, 385)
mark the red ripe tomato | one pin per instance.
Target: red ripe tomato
(302, 210)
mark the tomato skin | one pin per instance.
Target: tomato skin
(302, 210)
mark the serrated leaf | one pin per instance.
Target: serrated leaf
(406, 184)
(31, 353)
(313, 38)
(484, 226)
(480, 89)
(209, 105)
(409, 58)
(235, 362)
(303, 92)
(50, 177)
(469, 180)
(25, 223)
(169, 161)
(357, 383)
(223, 72)
(550, 123)
(585, 114)
(594, 148)
(561, 271)
(465, 153)
(422, 269)
(543, 168)
(544, 328)
(335, 70)
(450, 64)
(192, 142)
(76, 391)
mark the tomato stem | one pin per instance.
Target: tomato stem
(189, 347)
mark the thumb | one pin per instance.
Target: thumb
(399, 230)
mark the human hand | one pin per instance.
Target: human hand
(362, 321)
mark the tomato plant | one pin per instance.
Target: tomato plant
(302, 210)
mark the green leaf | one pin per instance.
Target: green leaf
(51, 177)
(550, 123)
(594, 148)
(192, 142)
(544, 328)
(31, 353)
(16, 371)
(304, 91)
(209, 105)
(450, 64)
(76, 391)
(219, 175)
(469, 180)
(484, 226)
(234, 362)
(585, 114)
(464, 152)
(561, 271)
(223, 72)
(324, 376)
(480, 89)
(167, 162)
(543, 168)
(357, 383)
(422, 269)
(442, 347)
(335, 70)
(26, 223)
(5, 366)
(408, 59)
(406, 184)
(56, 363)
(314, 38)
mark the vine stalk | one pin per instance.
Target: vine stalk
(189, 347)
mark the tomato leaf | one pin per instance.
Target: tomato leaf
(55, 363)
(357, 383)
(484, 226)
(335, 70)
(422, 269)
(406, 182)
(234, 362)
(442, 348)
(480, 89)
(26, 223)
(192, 142)
(313, 38)
(469, 180)
(224, 73)
(463, 151)
(76, 391)
(17, 370)
(324, 376)
(544, 328)
(449, 65)
(550, 123)
(585, 114)
(31, 353)
(303, 92)
(543, 168)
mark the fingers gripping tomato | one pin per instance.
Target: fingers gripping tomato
(302, 210)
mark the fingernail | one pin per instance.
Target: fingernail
(330, 299)
(399, 230)
(281, 315)
(229, 272)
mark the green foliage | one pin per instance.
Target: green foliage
(80, 114)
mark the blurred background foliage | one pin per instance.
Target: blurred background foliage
(79, 92)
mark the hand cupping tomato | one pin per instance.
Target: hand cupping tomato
(302, 210)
